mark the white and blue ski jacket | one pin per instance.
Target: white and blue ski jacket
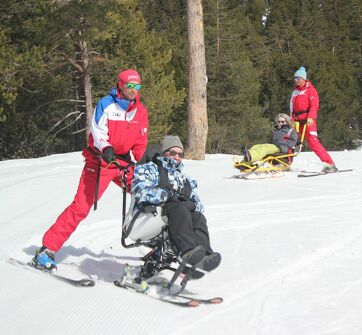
(146, 179)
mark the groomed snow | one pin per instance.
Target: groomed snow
(291, 247)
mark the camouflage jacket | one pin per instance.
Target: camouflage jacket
(145, 184)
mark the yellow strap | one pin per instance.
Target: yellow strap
(302, 138)
(303, 133)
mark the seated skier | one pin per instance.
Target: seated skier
(284, 139)
(176, 201)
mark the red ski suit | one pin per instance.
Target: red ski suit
(118, 123)
(304, 104)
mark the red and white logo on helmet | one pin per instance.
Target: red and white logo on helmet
(129, 75)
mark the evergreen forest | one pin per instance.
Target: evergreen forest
(253, 48)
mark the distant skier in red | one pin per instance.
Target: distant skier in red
(304, 106)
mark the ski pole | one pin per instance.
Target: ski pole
(97, 182)
(125, 171)
(302, 138)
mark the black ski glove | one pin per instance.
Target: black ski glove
(182, 199)
(108, 154)
(190, 205)
(172, 195)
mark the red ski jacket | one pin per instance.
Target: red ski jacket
(304, 102)
(118, 123)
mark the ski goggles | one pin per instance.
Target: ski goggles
(298, 78)
(136, 86)
(173, 153)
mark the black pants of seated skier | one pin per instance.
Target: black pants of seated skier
(187, 228)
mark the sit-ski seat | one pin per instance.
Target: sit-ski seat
(148, 227)
(272, 162)
(145, 223)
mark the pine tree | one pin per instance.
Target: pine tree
(197, 95)
(169, 20)
(233, 81)
(313, 34)
(253, 49)
(52, 106)
(23, 65)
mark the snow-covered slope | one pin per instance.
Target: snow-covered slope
(291, 247)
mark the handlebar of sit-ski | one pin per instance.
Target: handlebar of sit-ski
(125, 169)
(121, 167)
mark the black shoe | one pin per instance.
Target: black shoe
(246, 153)
(193, 273)
(194, 255)
(210, 262)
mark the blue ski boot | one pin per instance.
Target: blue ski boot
(44, 259)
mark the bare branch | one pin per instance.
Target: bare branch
(79, 116)
(68, 115)
(62, 100)
(73, 63)
(78, 131)
(25, 89)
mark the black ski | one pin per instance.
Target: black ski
(256, 177)
(195, 274)
(84, 282)
(186, 302)
(315, 174)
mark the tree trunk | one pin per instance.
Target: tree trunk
(217, 39)
(87, 88)
(82, 66)
(197, 103)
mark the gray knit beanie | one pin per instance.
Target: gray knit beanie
(170, 141)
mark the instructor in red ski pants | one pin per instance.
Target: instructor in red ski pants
(119, 127)
(304, 105)
(78, 210)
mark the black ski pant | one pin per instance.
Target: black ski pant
(187, 228)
